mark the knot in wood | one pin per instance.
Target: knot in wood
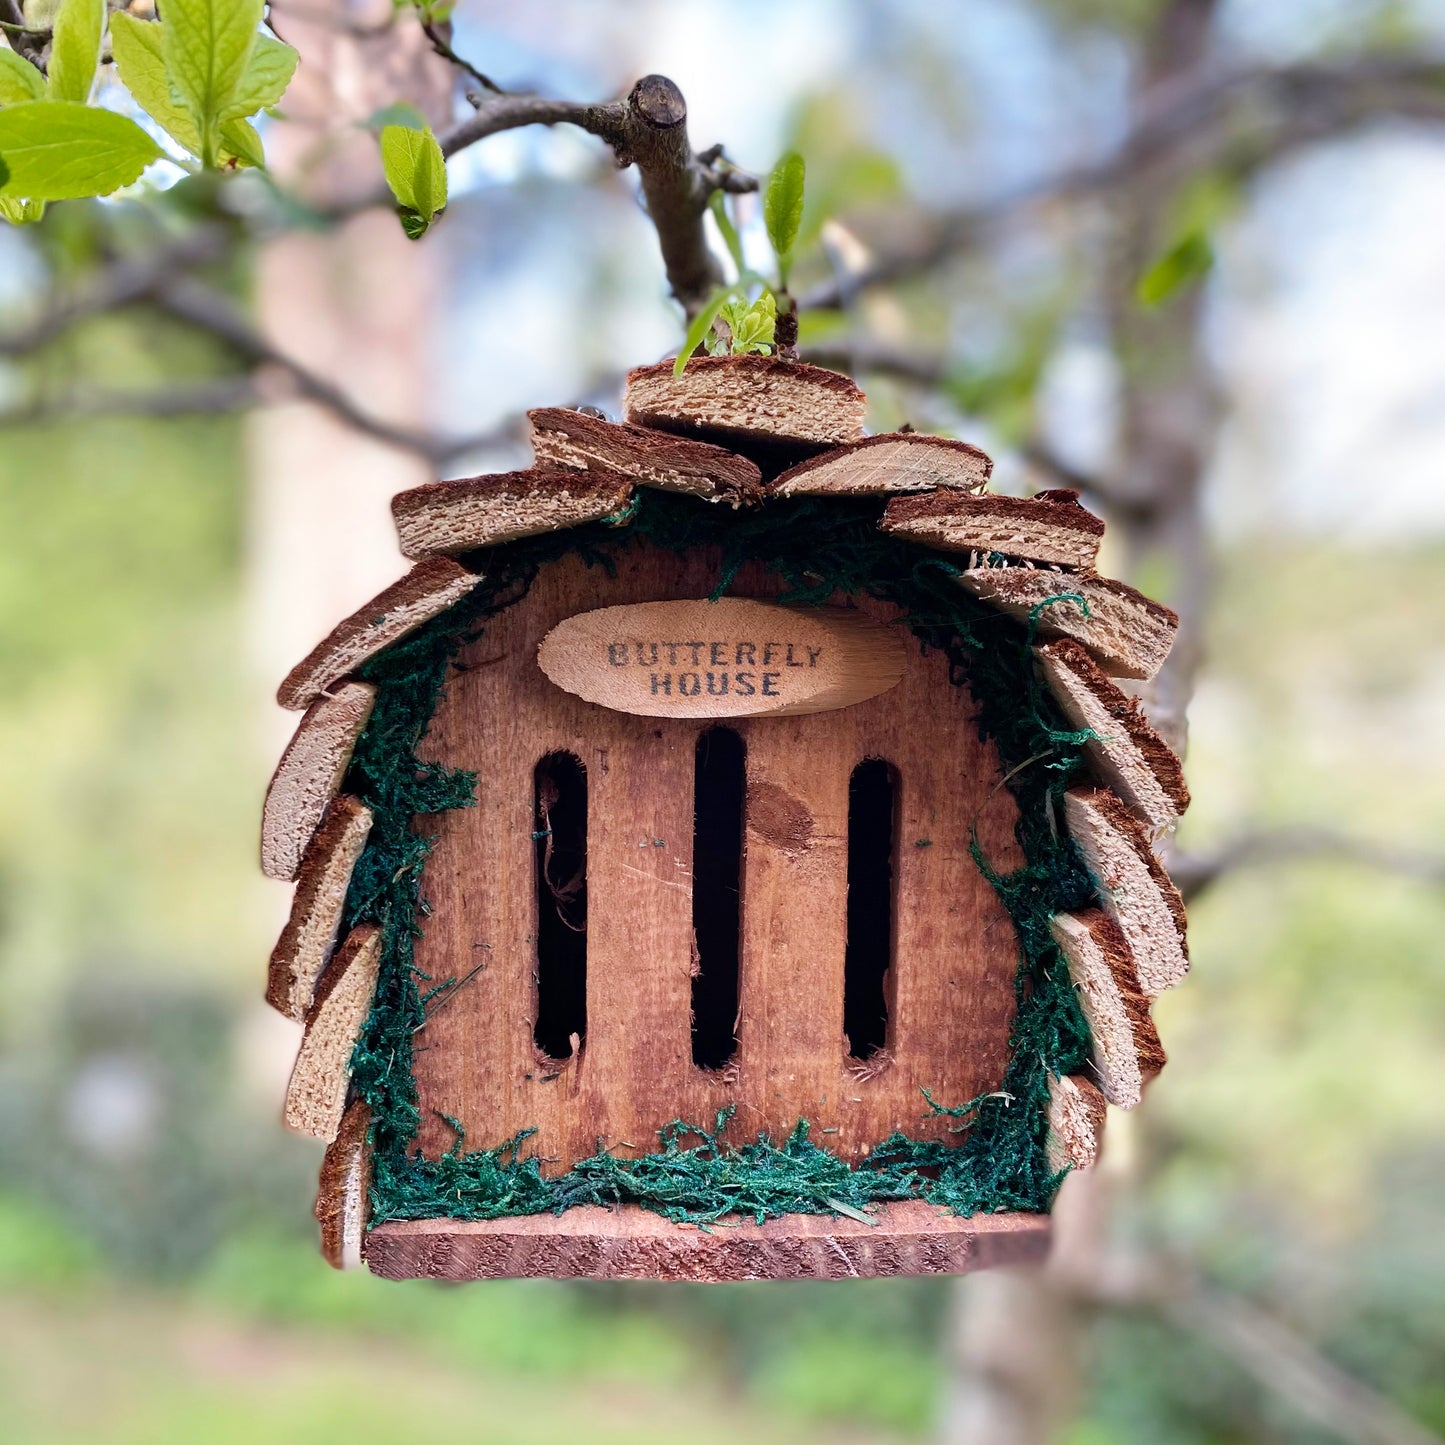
(659, 102)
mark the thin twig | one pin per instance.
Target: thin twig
(443, 47)
(1183, 123)
(1195, 872)
(200, 306)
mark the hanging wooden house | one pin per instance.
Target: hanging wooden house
(726, 854)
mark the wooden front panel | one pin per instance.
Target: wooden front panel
(950, 991)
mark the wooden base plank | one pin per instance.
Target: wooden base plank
(630, 1242)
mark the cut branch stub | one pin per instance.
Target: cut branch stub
(675, 187)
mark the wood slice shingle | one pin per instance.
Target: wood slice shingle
(309, 775)
(1076, 1123)
(757, 398)
(565, 438)
(316, 1095)
(429, 588)
(1051, 527)
(1126, 752)
(1135, 890)
(460, 516)
(590, 1242)
(1127, 1053)
(1127, 633)
(888, 465)
(342, 1204)
(307, 941)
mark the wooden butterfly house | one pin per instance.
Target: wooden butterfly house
(728, 853)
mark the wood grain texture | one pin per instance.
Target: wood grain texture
(747, 398)
(894, 463)
(307, 941)
(1077, 1111)
(744, 658)
(472, 512)
(1125, 751)
(342, 1204)
(951, 990)
(309, 775)
(1051, 527)
(1134, 887)
(316, 1095)
(562, 437)
(632, 1243)
(429, 588)
(1128, 634)
(1126, 1048)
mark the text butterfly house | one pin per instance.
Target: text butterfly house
(738, 849)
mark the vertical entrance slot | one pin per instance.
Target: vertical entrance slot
(719, 788)
(560, 841)
(872, 830)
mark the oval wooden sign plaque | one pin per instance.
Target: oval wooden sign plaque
(729, 658)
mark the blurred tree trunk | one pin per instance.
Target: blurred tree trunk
(1020, 1337)
(357, 304)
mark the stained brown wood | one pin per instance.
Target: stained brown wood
(631, 1243)
(1051, 527)
(951, 988)
(734, 657)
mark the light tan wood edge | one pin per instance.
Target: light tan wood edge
(632, 1243)
(429, 588)
(309, 775)
(1134, 888)
(1051, 527)
(565, 438)
(1127, 634)
(1127, 1052)
(307, 941)
(316, 1095)
(894, 463)
(459, 516)
(1126, 752)
(747, 397)
(1076, 1123)
(343, 1190)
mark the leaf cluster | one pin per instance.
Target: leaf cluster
(741, 318)
(416, 171)
(200, 75)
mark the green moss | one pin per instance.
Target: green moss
(816, 547)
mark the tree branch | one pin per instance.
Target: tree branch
(200, 306)
(118, 283)
(1287, 1366)
(1195, 872)
(1185, 123)
(647, 129)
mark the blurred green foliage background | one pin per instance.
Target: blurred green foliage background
(158, 1278)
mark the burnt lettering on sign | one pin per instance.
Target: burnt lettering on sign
(729, 658)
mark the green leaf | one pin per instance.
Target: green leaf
(75, 49)
(239, 139)
(60, 149)
(414, 225)
(1187, 261)
(415, 169)
(207, 46)
(783, 209)
(139, 56)
(18, 212)
(717, 204)
(266, 77)
(701, 325)
(19, 80)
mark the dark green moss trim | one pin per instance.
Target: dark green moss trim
(817, 546)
